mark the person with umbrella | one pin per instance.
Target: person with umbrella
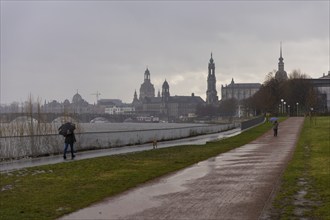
(275, 127)
(67, 130)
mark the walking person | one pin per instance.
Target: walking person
(69, 140)
(275, 128)
(67, 130)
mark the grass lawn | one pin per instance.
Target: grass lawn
(48, 192)
(305, 190)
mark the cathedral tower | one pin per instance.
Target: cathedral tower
(165, 98)
(281, 74)
(211, 93)
(165, 92)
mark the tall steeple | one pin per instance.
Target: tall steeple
(211, 93)
(135, 96)
(281, 63)
(281, 74)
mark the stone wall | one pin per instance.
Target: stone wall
(38, 145)
(252, 122)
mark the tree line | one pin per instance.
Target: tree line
(293, 96)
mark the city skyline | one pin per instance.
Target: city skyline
(53, 49)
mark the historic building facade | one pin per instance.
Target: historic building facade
(239, 91)
(164, 105)
(211, 93)
(178, 106)
(322, 84)
(78, 106)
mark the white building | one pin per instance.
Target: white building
(119, 110)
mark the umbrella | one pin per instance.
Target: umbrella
(66, 128)
(273, 119)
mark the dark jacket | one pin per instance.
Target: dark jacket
(70, 138)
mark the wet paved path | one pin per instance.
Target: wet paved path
(32, 162)
(234, 185)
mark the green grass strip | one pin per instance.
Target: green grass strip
(305, 189)
(48, 192)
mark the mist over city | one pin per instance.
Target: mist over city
(164, 109)
(55, 49)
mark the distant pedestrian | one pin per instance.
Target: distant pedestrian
(67, 130)
(275, 128)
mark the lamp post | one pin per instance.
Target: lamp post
(279, 108)
(297, 108)
(284, 107)
(282, 100)
(289, 110)
(311, 114)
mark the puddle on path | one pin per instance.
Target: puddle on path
(233, 185)
(221, 174)
(144, 197)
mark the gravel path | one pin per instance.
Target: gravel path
(234, 185)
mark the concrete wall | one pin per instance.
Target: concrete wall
(252, 122)
(27, 146)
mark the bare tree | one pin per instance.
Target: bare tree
(297, 89)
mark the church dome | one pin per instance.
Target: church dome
(66, 102)
(77, 98)
(165, 85)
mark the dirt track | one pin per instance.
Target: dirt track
(234, 185)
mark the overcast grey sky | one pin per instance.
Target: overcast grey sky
(51, 49)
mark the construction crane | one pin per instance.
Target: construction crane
(97, 94)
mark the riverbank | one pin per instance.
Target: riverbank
(10, 165)
(102, 136)
(51, 191)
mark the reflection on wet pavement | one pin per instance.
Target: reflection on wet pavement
(233, 185)
(139, 199)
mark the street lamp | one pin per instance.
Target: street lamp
(282, 100)
(289, 110)
(279, 108)
(297, 108)
(284, 107)
(311, 112)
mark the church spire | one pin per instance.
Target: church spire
(281, 63)
(281, 74)
(211, 60)
(135, 95)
